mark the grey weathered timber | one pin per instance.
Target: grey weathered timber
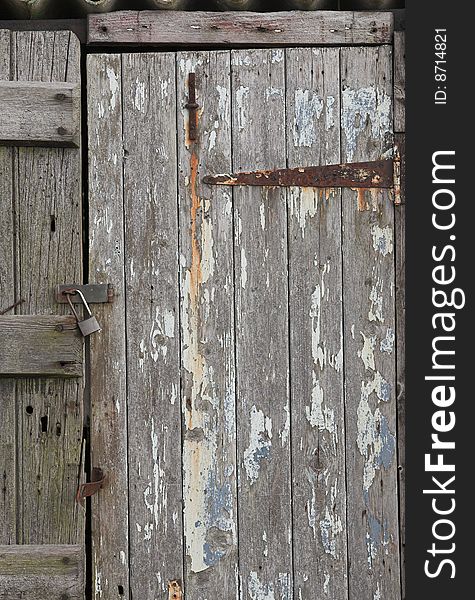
(262, 345)
(316, 331)
(46, 571)
(369, 333)
(8, 433)
(400, 250)
(40, 114)
(40, 346)
(240, 28)
(110, 526)
(399, 82)
(47, 193)
(152, 321)
(207, 332)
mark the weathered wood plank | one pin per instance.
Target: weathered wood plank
(40, 346)
(369, 334)
(262, 345)
(47, 192)
(110, 537)
(153, 347)
(399, 82)
(316, 331)
(400, 250)
(40, 114)
(240, 28)
(207, 321)
(32, 572)
(8, 423)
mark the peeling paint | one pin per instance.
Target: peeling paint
(377, 537)
(319, 415)
(263, 216)
(260, 442)
(258, 590)
(329, 112)
(387, 344)
(303, 205)
(140, 97)
(376, 298)
(113, 87)
(326, 584)
(243, 268)
(330, 527)
(382, 239)
(308, 109)
(367, 352)
(242, 94)
(361, 109)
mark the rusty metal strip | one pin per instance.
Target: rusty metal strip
(85, 490)
(374, 174)
(192, 107)
(174, 591)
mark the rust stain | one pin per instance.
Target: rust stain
(174, 590)
(362, 204)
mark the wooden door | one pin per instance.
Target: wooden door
(41, 364)
(243, 386)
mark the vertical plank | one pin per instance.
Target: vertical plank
(369, 333)
(400, 252)
(110, 539)
(399, 82)
(153, 358)
(207, 326)
(47, 190)
(262, 346)
(316, 331)
(8, 424)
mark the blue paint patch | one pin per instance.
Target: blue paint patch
(388, 442)
(385, 391)
(219, 503)
(211, 557)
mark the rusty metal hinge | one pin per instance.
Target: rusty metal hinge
(382, 174)
(192, 107)
(85, 490)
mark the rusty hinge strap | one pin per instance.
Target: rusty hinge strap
(374, 174)
(89, 489)
(192, 107)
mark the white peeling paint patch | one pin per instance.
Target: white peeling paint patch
(113, 87)
(387, 345)
(277, 55)
(98, 583)
(162, 329)
(284, 434)
(375, 312)
(212, 140)
(375, 441)
(263, 216)
(363, 108)
(326, 584)
(317, 414)
(272, 92)
(156, 487)
(318, 353)
(223, 100)
(258, 590)
(353, 331)
(243, 268)
(303, 205)
(377, 593)
(122, 557)
(308, 110)
(330, 527)
(266, 547)
(329, 114)
(260, 442)
(242, 94)
(284, 581)
(139, 98)
(367, 352)
(382, 239)
(312, 505)
(207, 243)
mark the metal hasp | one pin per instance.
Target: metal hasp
(85, 490)
(192, 106)
(374, 174)
(94, 293)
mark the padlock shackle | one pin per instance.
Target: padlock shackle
(86, 305)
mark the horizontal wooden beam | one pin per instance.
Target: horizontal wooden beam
(40, 345)
(32, 572)
(240, 29)
(40, 114)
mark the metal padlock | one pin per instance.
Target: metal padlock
(89, 324)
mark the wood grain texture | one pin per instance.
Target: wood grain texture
(399, 82)
(400, 251)
(8, 423)
(262, 344)
(316, 330)
(108, 396)
(369, 334)
(153, 344)
(47, 192)
(207, 324)
(40, 346)
(240, 28)
(46, 571)
(40, 114)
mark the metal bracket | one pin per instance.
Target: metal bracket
(85, 490)
(192, 106)
(94, 293)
